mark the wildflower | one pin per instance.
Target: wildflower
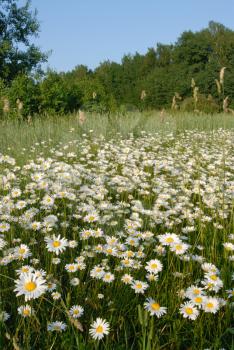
(211, 305)
(154, 266)
(71, 267)
(99, 328)
(75, 281)
(25, 310)
(108, 277)
(56, 244)
(30, 285)
(56, 295)
(4, 227)
(76, 311)
(154, 308)
(139, 286)
(188, 310)
(127, 279)
(56, 326)
(4, 316)
(168, 239)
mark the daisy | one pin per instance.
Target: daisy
(56, 244)
(127, 279)
(71, 267)
(168, 239)
(56, 326)
(4, 226)
(48, 201)
(139, 286)
(25, 268)
(179, 248)
(188, 310)
(35, 225)
(22, 252)
(229, 246)
(154, 308)
(99, 328)
(97, 272)
(76, 311)
(2, 243)
(30, 285)
(198, 300)
(108, 277)
(25, 310)
(93, 217)
(56, 295)
(211, 305)
(151, 277)
(193, 291)
(4, 316)
(154, 266)
(75, 281)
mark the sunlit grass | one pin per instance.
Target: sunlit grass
(118, 187)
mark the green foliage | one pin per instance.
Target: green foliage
(160, 74)
(25, 90)
(17, 25)
(204, 105)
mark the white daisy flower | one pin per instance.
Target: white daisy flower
(25, 310)
(4, 226)
(56, 244)
(30, 285)
(56, 326)
(127, 279)
(154, 266)
(139, 286)
(99, 328)
(108, 277)
(76, 311)
(154, 308)
(211, 305)
(188, 310)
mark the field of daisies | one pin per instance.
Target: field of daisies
(121, 242)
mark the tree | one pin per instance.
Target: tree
(17, 25)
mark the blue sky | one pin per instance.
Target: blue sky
(89, 31)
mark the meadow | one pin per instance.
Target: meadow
(117, 232)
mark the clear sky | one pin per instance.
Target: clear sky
(90, 31)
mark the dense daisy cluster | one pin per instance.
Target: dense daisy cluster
(96, 226)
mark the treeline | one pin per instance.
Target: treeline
(195, 73)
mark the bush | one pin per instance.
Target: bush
(204, 104)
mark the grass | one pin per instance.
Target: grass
(117, 186)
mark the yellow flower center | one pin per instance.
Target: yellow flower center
(198, 300)
(196, 291)
(25, 269)
(26, 312)
(21, 251)
(189, 310)
(76, 312)
(99, 329)
(213, 277)
(56, 244)
(154, 266)
(138, 285)
(169, 240)
(155, 306)
(209, 305)
(178, 247)
(72, 267)
(30, 286)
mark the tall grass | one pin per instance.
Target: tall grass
(141, 176)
